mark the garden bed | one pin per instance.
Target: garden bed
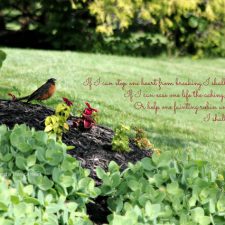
(92, 147)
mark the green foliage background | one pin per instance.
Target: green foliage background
(137, 27)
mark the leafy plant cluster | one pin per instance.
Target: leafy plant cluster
(195, 27)
(164, 190)
(87, 119)
(47, 186)
(120, 140)
(44, 185)
(141, 140)
(57, 124)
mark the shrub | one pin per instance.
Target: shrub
(186, 25)
(135, 27)
(164, 190)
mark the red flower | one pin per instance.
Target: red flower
(12, 96)
(67, 101)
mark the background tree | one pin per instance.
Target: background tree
(137, 27)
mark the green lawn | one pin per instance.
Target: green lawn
(27, 69)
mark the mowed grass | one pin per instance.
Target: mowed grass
(185, 131)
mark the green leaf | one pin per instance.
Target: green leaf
(199, 217)
(3, 206)
(66, 181)
(20, 209)
(115, 179)
(31, 200)
(34, 177)
(221, 203)
(23, 142)
(21, 162)
(45, 184)
(54, 155)
(133, 185)
(193, 22)
(101, 174)
(162, 160)
(113, 167)
(2, 57)
(41, 138)
(40, 153)
(69, 163)
(15, 199)
(53, 208)
(152, 210)
(147, 164)
(69, 148)
(173, 189)
(31, 160)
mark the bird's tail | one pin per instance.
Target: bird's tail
(22, 98)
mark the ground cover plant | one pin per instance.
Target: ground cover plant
(46, 177)
(166, 131)
(45, 185)
(164, 190)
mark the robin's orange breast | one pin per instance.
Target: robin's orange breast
(48, 93)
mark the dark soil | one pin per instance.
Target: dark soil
(92, 147)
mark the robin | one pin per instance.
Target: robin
(42, 93)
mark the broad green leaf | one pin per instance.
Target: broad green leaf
(31, 160)
(23, 142)
(32, 200)
(198, 216)
(152, 210)
(147, 164)
(45, 184)
(113, 167)
(162, 160)
(66, 181)
(101, 174)
(21, 162)
(69, 163)
(221, 203)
